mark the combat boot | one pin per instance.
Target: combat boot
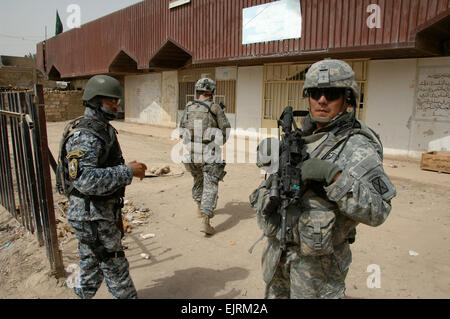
(206, 227)
(199, 212)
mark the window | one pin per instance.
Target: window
(283, 84)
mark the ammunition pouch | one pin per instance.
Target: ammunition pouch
(316, 231)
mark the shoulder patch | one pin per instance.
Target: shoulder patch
(379, 185)
(73, 169)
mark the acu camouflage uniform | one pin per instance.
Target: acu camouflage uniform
(95, 205)
(204, 160)
(321, 227)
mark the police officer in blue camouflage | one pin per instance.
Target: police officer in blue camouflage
(344, 185)
(93, 174)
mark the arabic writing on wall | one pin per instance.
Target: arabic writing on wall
(433, 93)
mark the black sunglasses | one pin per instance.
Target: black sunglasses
(331, 94)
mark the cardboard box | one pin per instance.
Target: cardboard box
(438, 161)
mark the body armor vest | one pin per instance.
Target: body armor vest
(199, 118)
(111, 154)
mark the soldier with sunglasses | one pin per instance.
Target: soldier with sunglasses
(344, 184)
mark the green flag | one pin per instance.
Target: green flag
(59, 25)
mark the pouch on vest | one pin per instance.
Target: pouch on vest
(316, 230)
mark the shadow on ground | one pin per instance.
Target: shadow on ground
(195, 283)
(238, 211)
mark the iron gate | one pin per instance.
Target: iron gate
(25, 181)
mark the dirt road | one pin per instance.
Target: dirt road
(410, 250)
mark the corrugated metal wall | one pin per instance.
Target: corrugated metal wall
(211, 30)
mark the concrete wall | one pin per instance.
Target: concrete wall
(431, 112)
(400, 103)
(169, 98)
(249, 90)
(390, 97)
(152, 98)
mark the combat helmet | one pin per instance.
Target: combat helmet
(205, 85)
(334, 74)
(102, 85)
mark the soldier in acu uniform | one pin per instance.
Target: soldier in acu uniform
(93, 174)
(205, 127)
(344, 185)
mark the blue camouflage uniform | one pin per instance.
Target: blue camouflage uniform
(95, 207)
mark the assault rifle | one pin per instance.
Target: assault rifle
(286, 182)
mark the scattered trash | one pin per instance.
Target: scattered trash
(232, 243)
(6, 245)
(413, 253)
(393, 165)
(147, 236)
(145, 256)
(131, 215)
(7, 228)
(402, 186)
(73, 279)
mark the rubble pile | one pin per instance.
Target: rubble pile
(160, 170)
(132, 216)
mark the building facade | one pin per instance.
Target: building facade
(258, 52)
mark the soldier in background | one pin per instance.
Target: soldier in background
(205, 127)
(344, 183)
(93, 174)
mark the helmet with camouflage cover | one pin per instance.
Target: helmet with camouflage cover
(102, 85)
(205, 85)
(264, 156)
(334, 74)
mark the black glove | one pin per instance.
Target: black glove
(315, 169)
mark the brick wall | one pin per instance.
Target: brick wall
(63, 105)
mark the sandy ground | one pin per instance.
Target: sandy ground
(410, 251)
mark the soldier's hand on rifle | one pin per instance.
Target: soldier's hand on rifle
(315, 169)
(138, 169)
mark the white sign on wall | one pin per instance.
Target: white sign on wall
(273, 21)
(433, 93)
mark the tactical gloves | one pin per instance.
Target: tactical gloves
(319, 170)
